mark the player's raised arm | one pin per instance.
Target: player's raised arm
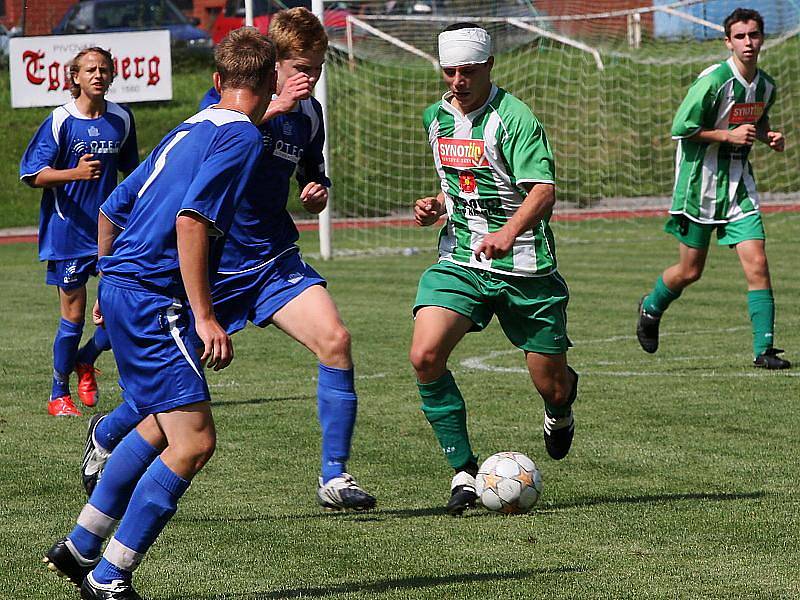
(87, 169)
(428, 210)
(537, 204)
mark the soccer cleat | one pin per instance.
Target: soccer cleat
(116, 590)
(87, 383)
(462, 494)
(343, 493)
(769, 359)
(64, 560)
(63, 406)
(94, 458)
(647, 329)
(559, 431)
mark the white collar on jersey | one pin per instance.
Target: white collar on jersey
(72, 109)
(470, 115)
(740, 78)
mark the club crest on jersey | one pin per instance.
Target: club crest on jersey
(466, 181)
(462, 154)
(93, 131)
(746, 112)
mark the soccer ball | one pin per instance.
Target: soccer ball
(509, 482)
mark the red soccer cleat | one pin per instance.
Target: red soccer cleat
(63, 407)
(87, 383)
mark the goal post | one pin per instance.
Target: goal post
(604, 83)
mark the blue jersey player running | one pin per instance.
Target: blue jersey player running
(164, 246)
(263, 279)
(75, 156)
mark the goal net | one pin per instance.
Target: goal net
(605, 78)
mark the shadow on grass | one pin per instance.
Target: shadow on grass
(387, 585)
(223, 403)
(655, 499)
(381, 515)
(362, 517)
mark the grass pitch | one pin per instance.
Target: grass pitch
(682, 482)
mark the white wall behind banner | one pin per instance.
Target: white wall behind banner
(38, 66)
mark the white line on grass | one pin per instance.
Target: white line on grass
(481, 363)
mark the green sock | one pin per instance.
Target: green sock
(659, 299)
(761, 308)
(445, 410)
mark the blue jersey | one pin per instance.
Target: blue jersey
(200, 167)
(262, 227)
(68, 215)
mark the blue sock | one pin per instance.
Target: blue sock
(98, 343)
(65, 348)
(112, 494)
(115, 426)
(152, 505)
(336, 405)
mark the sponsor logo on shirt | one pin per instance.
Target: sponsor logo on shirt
(746, 112)
(291, 152)
(466, 181)
(462, 154)
(81, 147)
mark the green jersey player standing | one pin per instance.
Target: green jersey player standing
(496, 252)
(724, 112)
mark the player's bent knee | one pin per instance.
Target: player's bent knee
(427, 363)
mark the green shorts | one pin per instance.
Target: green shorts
(698, 235)
(532, 311)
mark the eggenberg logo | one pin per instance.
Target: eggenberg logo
(462, 154)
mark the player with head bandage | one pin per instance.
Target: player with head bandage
(496, 252)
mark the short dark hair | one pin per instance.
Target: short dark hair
(461, 25)
(742, 15)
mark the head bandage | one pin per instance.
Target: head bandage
(469, 46)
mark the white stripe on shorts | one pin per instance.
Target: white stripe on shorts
(172, 321)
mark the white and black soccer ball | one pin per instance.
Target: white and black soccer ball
(509, 482)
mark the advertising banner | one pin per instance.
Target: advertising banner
(39, 66)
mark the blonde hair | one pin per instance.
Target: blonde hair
(74, 67)
(245, 58)
(297, 30)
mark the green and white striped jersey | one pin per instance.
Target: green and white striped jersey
(714, 182)
(483, 159)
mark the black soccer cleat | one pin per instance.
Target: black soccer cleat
(647, 329)
(769, 359)
(64, 560)
(344, 494)
(94, 458)
(462, 494)
(116, 590)
(559, 431)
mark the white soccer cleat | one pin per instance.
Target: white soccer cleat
(343, 493)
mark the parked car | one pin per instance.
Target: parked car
(233, 16)
(106, 16)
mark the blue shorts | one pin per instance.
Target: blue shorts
(159, 368)
(72, 273)
(256, 295)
